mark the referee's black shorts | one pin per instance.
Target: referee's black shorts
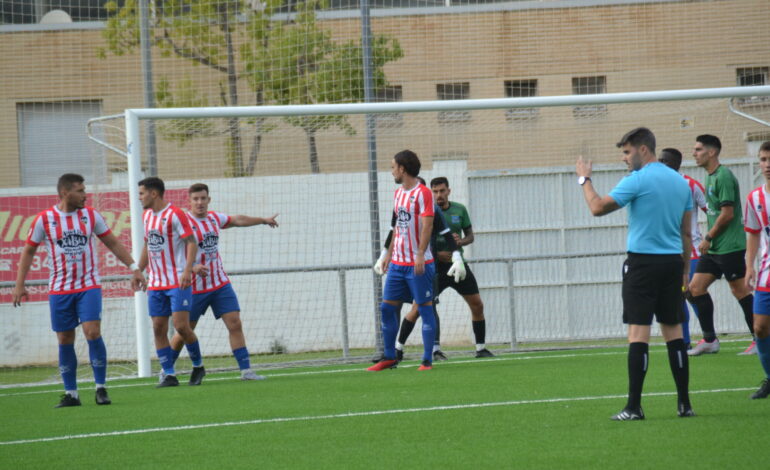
(652, 285)
(467, 286)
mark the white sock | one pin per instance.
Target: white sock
(98, 386)
(245, 371)
(480, 346)
(399, 346)
(436, 347)
(72, 393)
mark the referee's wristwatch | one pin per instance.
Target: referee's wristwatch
(582, 180)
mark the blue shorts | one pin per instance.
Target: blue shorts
(163, 303)
(70, 310)
(404, 286)
(221, 301)
(761, 302)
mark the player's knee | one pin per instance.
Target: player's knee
(696, 289)
(761, 328)
(233, 323)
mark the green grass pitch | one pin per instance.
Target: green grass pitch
(527, 410)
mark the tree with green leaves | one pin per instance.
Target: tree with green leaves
(284, 61)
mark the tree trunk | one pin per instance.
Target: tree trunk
(232, 87)
(257, 138)
(314, 167)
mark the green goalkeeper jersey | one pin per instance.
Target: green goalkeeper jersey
(458, 220)
(721, 190)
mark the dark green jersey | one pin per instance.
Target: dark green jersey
(722, 190)
(458, 220)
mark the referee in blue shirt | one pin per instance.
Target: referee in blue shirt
(659, 243)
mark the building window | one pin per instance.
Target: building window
(752, 76)
(589, 86)
(453, 91)
(521, 89)
(389, 94)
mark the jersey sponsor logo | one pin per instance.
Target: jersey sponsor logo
(210, 243)
(403, 216)
(455, 219)
(73, 243)
(155, 241)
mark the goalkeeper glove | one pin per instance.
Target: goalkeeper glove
(378, 265)
(458, 267)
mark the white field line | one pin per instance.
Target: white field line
(349, 415)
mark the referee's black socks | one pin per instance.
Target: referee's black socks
(680, 369)
(747, 304)
(406, 329)
(638, 358)
(705, 307)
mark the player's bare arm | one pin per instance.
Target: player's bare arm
(467, 239)
(200, 270)
(726, 214)
(247, 221)
(597, 204)
(686, 232)
(25, 261)
(425, 231)
(752, 247)
(192, 251)
(113, 244)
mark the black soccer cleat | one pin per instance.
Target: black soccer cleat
(484, 353)
(399, 355)
(101, 397)
(439, 356)
(68, 400)
(764, 390)
(168, 381)
(629, 415)
(197, 375)
(378, 358)
(684, 411)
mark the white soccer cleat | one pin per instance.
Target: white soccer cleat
(752, 349)
(704, 348)
(249, 374)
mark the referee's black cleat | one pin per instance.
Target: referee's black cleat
(399, 355)
(101, 396)
(629, 415)
(764, 390)
(197, 375)
(484, 353)
(439, 356)
(168, 381)
(68, 400)
(684, 411)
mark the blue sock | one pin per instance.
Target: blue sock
(763, 351)
(164, 357)
(68, 366)
(97, 352)
(686, 324)
(389, 329)
(175, 355)
(194, 350)
(428, 330)
(242, 356)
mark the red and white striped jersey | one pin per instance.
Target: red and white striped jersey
(72, 257)
(164, 232)
(699, 202)
(206, 232)
(757, 220)
(409, 206)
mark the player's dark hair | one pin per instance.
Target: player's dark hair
(197, 187)
(67, 181)
(409, 161)
(710, 141)
(421, 180)
(638, 137)
(765, 147)
(439, 180)
(671, 157)
(154, 183)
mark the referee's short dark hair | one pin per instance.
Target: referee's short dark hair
(439, 180)
(154, 183)
(710, 141)
(671, 157)
(638, 137)
(409, 161)
(765, 147)
(67, 181)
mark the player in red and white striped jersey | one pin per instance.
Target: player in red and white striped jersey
(169, 252)
(411, 269)
(75, 296)
(672, 158)
(211, 286)
(757, 224)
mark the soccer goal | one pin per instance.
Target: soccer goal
(548, 272)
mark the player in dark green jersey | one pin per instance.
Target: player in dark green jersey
(459, 223)
(723, 246)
